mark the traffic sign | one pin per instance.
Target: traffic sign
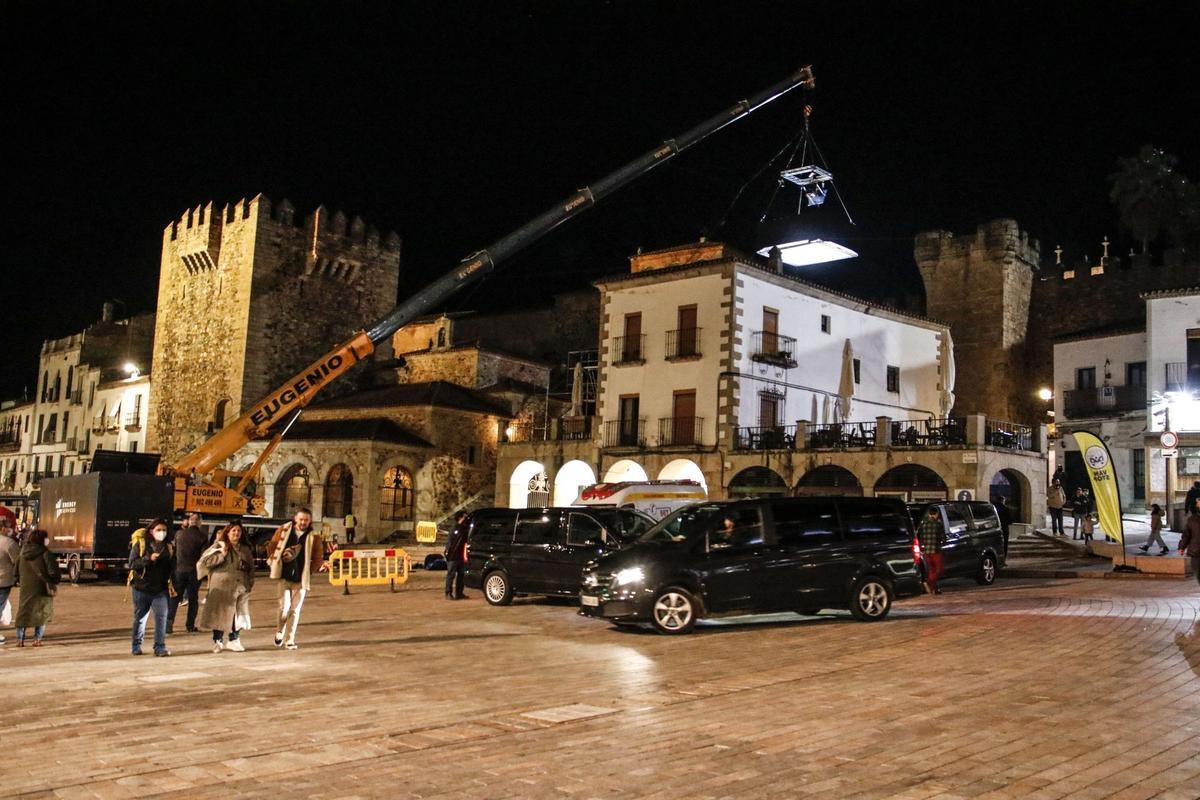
(1169, 439)
(1172, 453)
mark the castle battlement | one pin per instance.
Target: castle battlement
(1000, 239)
(337, 246)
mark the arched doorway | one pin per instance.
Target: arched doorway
(1010, 489)
(682, 469)
(625, 470)
(913, 482)
(573, 476)
(339, 492)
(757, 482)
(528, 487)
(293, 491)
(829, 479)
(396, 495)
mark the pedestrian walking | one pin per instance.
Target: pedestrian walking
(189, 543)
(10, 559)
(39, 576)
(931, 535)
(456, 557)
(1056, 498)
(1193, 494)
(229, 565)
(295, 552)
(351, 524)
(1156, 524)
(1189, 542)
(151, 570)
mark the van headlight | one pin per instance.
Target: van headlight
(628, 577)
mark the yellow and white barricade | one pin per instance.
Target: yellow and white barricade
(368, 567)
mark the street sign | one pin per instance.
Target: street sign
(1169, 439)
(1172, 453)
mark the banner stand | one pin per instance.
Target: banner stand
(1105, 491)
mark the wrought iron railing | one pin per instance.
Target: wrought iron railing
(765, 437)
(133, 420)
(929, 432)
(683, 343)
(629, 349)
(625, 432)
(680, 431)
(575, 428)
(98, 423)
(1000, 433)
(77, 397)
(773, 348)
(841, 434)
(1103, 400)
(112, 422)
(524, 432)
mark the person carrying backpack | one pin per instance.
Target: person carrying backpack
(151, 568)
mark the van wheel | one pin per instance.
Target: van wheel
(871, 599)
(674, 611)
(496, 588)
(987, 570)
(73, 569)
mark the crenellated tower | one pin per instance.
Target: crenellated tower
(980, 285)
(246, 298)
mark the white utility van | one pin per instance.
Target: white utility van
(656, 498)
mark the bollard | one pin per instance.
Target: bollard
(345, 588)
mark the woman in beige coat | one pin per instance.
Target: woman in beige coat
(229, 564)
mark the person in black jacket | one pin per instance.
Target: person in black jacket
(151, 567)
(189, 542)
(456, 561)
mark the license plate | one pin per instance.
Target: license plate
(588, 600)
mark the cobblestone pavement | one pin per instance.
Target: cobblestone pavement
(1028, 689)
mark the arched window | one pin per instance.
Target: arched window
(396, 495)
(293, 491)
(57, 387)
(339, 491)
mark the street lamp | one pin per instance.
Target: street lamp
(131, 370)
(1045, 394)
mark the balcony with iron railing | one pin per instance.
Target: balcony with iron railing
(773, 348)
(840, 435)
(929, 432)
(36, 477)
(98, 423)
(629, 350)
(683, 344)
(575, 429)
(133, 421)
(680, 431)
(765, 437)
(1103, 400)
(10, 440)
(77, 397)
(71, 443)
(624, 433)
(1009, 435)
(112, 422)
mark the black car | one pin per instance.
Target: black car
(776, 554)
(975, 542)
(543, 550)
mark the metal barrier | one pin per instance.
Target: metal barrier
(426, 532)
(368, 568)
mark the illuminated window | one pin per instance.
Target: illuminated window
(339, 491)
(396, 495)
(294, 490)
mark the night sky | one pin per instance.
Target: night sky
(454, 123)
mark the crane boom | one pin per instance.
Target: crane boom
(301, 388)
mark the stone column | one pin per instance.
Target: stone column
(976, 430)
(883, 432)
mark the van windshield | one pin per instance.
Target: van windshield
(685, 523)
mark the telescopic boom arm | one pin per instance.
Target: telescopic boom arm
(300, 390)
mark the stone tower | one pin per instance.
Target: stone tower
(246, 299)
(980, 285)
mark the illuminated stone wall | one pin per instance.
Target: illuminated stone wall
(246, 299)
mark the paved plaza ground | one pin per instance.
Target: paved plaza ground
(1028, 689)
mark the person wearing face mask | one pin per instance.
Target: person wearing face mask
(229, 565)
(151, 567)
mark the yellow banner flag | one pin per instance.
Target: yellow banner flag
(1103, 478)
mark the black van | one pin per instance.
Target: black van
(975, 546)
(774, 554)
(543, 550)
